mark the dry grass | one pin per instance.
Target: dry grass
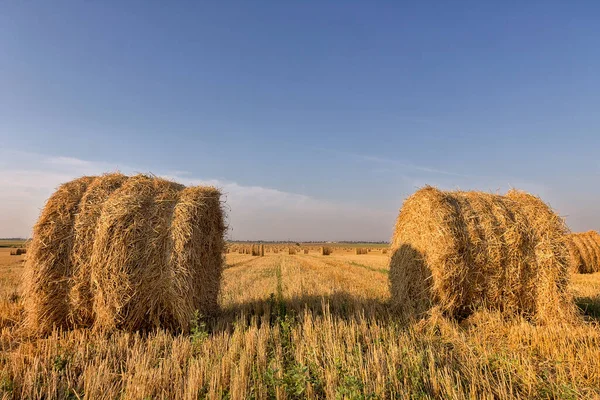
(305, 326)
(463, 251)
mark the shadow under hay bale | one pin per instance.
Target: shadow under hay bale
(463, 251)
(125, 253)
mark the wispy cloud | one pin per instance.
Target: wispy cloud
(254, 212)
(392, 164)
(406, 165)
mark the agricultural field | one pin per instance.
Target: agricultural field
(301, 325)
(12, 243)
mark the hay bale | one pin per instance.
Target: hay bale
(593, 241)
(291, 250)
(196, 262)
(258, 250)
(45, 285)
(86, 222)
(129, 253)
(584, 251)
(552, 255)
(325, 251)
(463, 251)
(576, 260)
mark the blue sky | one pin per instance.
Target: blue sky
(317, 118)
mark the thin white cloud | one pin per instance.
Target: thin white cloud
(254, 212)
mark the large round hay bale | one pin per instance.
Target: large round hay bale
(576, 261)
(132, 253)
(594, 239)
(463, 251)
(584, 250)
(45, 289)
(86, 222)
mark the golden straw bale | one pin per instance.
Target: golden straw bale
(196, 263)
(86, 222)
(462, 251)
(49, 263)
(129, 253)
(576, 262)
(584, 249)
(325, 251)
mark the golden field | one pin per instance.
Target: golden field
(306, 326)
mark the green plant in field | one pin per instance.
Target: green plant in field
(60, 362)
(7, 384)
(198, 329)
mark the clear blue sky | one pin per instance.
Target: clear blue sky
(344, 107)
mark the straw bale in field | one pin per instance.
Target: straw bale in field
(325, 251)
(462, 251)
(125, 253)
(584, 251)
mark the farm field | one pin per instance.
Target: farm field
(305, 326)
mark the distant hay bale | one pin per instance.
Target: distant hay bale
(291, 250)
(360, 251)
(18, 252)
(593, 241)
(576, 261)
(305, 251)
(325, 251)
(462, 251)
(384, 251)
(125, 253)
(257, 250)
(584, 251)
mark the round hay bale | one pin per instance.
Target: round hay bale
(86, 223)
(140, 253)
(552, 254)
(594, 238)
(463, 251)
(196, 264)
(587, 246)
(582, 247)
(45, 287)
(575, 258)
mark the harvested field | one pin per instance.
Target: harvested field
(306, 326)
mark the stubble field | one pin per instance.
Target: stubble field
(306, 326)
